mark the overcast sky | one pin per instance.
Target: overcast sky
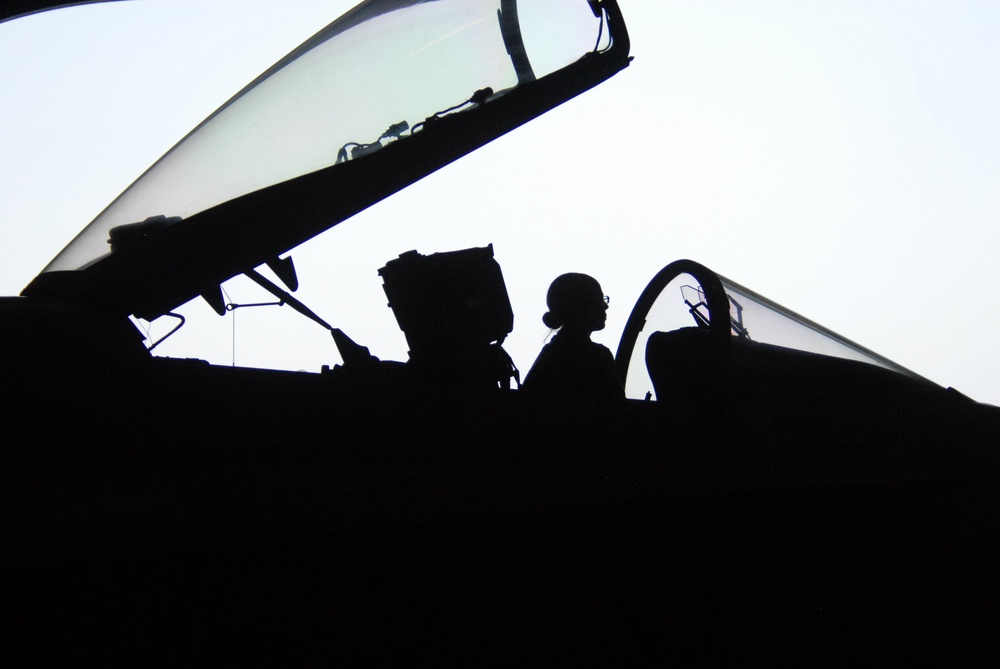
(841, 158)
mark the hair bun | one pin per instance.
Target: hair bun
(552, 321)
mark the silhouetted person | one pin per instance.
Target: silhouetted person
(571, 364)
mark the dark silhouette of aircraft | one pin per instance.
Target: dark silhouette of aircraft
(773, 490)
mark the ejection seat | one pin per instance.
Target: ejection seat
(455, 312)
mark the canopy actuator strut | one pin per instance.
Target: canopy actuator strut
(285, 297)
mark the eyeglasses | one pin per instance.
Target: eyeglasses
(607, 300)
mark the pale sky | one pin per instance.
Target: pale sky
(841, 158)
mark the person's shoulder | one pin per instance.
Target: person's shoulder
(601, 349)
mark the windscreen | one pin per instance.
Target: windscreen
(375, 76)
(683, 303)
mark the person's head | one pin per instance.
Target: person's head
(576, 301)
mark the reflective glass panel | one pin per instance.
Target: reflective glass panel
(372, 77)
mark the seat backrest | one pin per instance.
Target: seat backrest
(454, 310)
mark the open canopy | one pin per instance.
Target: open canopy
(388, 93)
